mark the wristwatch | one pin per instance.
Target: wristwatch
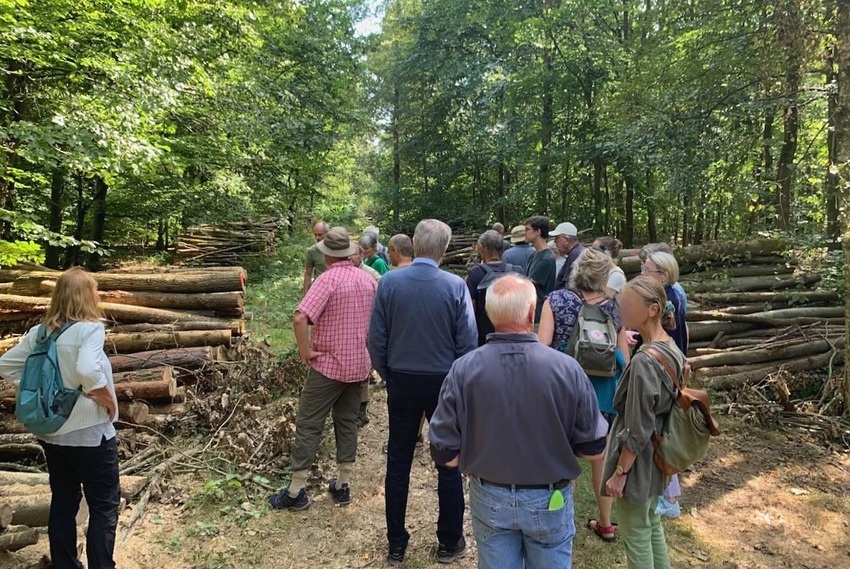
(619, 471)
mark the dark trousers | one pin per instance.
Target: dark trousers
(96, 470)
(408, 396)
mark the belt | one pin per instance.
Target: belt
(554, 486)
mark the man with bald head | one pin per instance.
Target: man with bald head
(494, 404)
(314, 261)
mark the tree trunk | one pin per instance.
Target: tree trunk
(766, 297)
(842, 153)
(746, 357)
(131, 390)
(18, 537)
(751, 284)
(792, 366)
(546, 119)
(134, 412)
(788, 30)
(142, 375)
(224, 302)
(629, 222)
(57, 193)
(181, 358)
(6, 513)
(231, 279)
(140, 342)
(237, 327)
(832, 190)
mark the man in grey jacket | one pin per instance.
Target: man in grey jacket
(514, 415)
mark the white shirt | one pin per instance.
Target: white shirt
(616, 279)
(82, 364)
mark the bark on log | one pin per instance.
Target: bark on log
(745, 357)
(18, 537)
(721, 273)
(129, 391)
(6, 513)
(781, 317)
(152, 374)
(237, 327)
(800, 364)
(28, 287)
(727, 250)
(9, 424)
(169, 409)
(181, 282)
(181, 358)
(708, 330)
(7, 344)
(133, 411)
(215, 301)
(37, 484)
(796, 296)
(124, 313)
(751, 284)
(146, 341)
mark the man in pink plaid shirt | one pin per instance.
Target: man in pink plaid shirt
(338, 306)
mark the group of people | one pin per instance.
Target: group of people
(483, 359)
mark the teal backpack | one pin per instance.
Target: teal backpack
(43, 403)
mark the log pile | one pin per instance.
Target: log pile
(753, 311)
(461, 252)
(166, 328)
(227, 245)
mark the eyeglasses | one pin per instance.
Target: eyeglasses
(645, 271)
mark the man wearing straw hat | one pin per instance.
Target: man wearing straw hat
(338, 306)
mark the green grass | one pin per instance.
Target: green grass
(274, 291)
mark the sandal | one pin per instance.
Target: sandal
(605, 534)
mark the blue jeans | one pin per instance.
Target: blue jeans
(513, 527)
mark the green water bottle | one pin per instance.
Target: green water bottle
(556, 502)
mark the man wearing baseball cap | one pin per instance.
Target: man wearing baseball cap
(338, 306)
(566, 240)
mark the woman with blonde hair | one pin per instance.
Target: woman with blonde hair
(612, 246)
(643, 399)
(83, 452)
(659, 264)
(587, 284)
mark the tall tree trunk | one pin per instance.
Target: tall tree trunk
(833, 187)
(651, 224)
(842, 152)
(547, 118)
(99, 221)
(17, 82)
(57, 194)
(789, 31)
(396, 155)
(629, 222)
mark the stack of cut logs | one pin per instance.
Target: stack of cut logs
(165, 329)
(25, 505)
(460, 252)
(752, 312)
(226, 245)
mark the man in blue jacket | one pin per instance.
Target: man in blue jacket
(422, 321)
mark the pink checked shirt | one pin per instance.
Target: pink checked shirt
(338, 306)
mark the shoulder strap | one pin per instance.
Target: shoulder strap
(665, 363)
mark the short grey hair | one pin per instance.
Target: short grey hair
(651, 248)
(372, 230)
(368, 241)
(511, 300)
(492, 241)
(431, 239)
(590, 271)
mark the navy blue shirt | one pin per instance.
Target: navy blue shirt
(422, 320)
(676, 295)
(517, 412)
(519, 254)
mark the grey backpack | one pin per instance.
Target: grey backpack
(593, 341)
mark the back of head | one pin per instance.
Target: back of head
(431, 239)
(368, 241)
(611, 245)
(540, 223)
(492, 242)
(498, 228)
(666, 262)
(402, 244)
(651, 248)
(511, 301)
(74, 299)
(653, 293)
(374, 231)
(590, 271)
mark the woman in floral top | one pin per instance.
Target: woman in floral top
(560, 312)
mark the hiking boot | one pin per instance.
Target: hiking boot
(447, 554)
(283, 501)
(341, 496)
(362, 420)
(396, 556)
